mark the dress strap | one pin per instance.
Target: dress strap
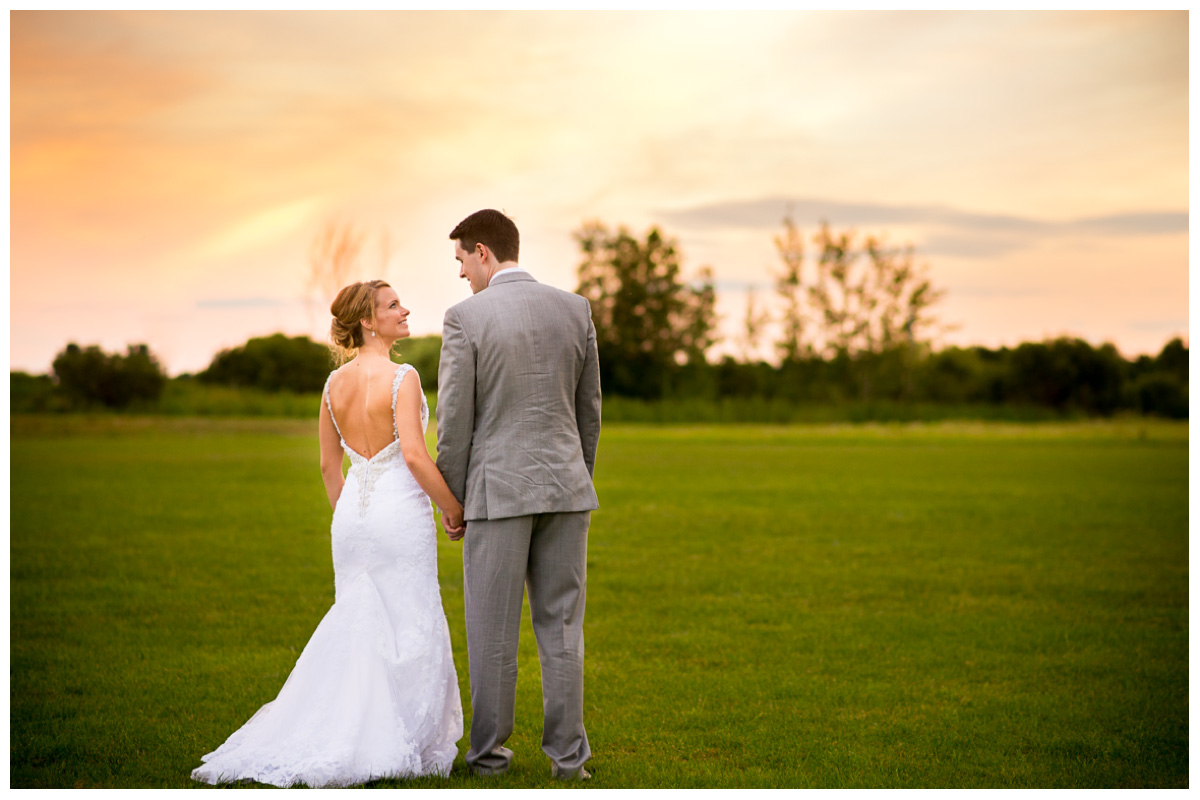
(401, 371)
(329, 405)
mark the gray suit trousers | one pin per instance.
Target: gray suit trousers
(548, 554)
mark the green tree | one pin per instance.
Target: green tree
(1067, 374)
(90, 377)
(1159, 385)
(31, 393)
(1161, 394)
(865, 305)
(870, 297)
(425, 354)
(649, 321)
(1173, 359)
(273, 363)
(755, 321)
(789, 286)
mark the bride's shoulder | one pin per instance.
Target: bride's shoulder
(402, 371)
(340, 370)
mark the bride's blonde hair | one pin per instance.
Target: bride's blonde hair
(353, 304)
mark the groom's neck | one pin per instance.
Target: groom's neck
(500, 267)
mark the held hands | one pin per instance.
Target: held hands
(452, 521)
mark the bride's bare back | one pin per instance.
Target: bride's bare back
(360, 395)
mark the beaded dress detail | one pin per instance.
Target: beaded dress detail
(374, 693)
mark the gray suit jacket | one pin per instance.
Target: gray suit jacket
(518, 413)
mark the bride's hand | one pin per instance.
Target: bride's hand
(452, 521)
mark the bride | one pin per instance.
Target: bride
(375, 693)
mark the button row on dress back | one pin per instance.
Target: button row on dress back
(365, 486)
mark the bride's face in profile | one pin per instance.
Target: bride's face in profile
(391, 318)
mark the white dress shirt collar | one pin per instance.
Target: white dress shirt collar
(505, 272)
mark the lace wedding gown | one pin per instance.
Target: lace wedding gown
(374, 694)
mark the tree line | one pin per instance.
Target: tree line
(87, 379)
(856, 325)
(853, 323)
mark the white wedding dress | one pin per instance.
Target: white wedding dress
(374, 694)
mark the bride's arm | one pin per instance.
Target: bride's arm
(416, 454)
(331, 456)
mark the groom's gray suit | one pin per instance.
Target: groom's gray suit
(518, 421)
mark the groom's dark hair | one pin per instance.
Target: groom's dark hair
(491, 228)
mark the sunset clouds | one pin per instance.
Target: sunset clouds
(170, 169)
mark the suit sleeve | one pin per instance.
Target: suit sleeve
(456, 405)
(587, 399)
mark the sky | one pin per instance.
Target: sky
(170, 171)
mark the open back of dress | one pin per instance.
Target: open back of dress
(362, 404)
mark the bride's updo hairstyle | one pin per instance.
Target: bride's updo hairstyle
(353, 304)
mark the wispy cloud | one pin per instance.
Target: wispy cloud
(951, 231)
(242, 302)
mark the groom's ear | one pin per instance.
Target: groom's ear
(483, 251)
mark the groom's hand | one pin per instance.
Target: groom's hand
(454, 525)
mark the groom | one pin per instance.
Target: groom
(518, 421)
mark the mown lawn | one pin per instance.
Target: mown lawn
(947, 605)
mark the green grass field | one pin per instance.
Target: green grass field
(950, 605)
